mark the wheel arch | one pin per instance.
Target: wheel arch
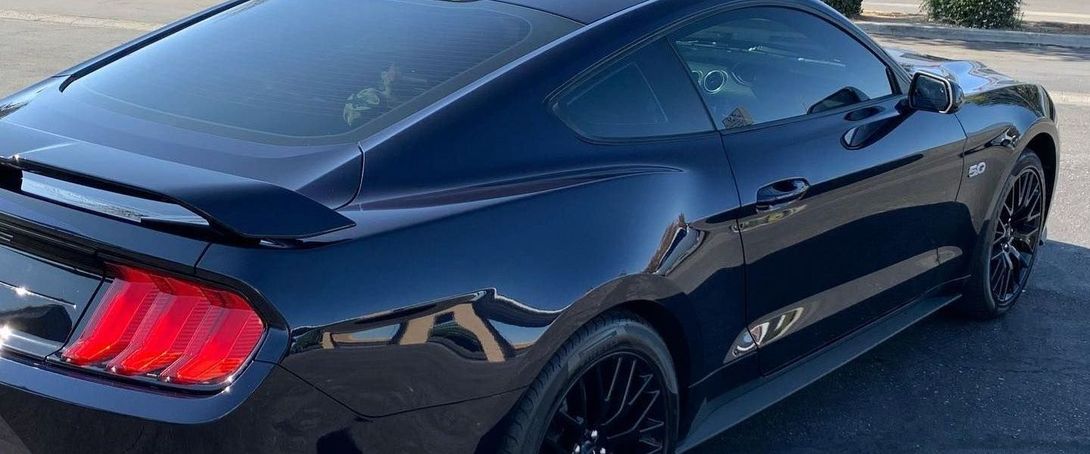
(672, 332)
(655, 300)
(1045, 147)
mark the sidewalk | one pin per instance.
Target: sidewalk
(1066, 25)
(1062, 11)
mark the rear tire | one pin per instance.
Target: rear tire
(1011, 244)
(612, 386)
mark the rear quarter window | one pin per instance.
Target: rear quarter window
(644, 95)
(318, 70)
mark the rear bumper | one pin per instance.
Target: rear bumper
(282, 414)
(79, 389)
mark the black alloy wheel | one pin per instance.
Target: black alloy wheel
(610, 389)
(1011, 242)
(618, 405)
(1017, 236)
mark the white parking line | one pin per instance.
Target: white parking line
(78, 21)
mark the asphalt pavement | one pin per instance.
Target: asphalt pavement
(1020, 384)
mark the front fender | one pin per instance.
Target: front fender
(1000, 124)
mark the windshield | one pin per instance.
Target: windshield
(317, 70)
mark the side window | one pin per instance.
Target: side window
(643, 95)
(764, 64)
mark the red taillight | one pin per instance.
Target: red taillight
(175, 330)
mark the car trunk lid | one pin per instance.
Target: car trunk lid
(41, 298)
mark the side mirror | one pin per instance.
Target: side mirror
(932, 93)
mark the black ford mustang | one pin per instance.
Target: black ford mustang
(490, 226)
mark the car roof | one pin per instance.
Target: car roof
(585, 11)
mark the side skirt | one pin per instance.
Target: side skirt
(750, 399)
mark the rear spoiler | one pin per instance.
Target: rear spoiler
(96, 177)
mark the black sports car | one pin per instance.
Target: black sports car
(517, 226)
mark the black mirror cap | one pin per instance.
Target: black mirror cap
(934, 93)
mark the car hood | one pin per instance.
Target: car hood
(973, 77)
(329, 174)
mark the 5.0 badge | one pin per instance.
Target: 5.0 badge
(978, 169)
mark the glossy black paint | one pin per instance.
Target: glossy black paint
(897, 186)
(486, 232)
(1001, 118)
(41, 319)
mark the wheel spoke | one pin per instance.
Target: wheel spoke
(998, 275)
(574, 423)
(1005, 284)
(1021, 198)
(1027, 237)
(613, 381)
(599, 403)
(623, 402)
(646, 380)
(654, 395)
(1023, 259)
(1012, 272)
(1034, 199)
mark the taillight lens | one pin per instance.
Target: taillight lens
(166, 328)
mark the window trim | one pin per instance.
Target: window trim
(899, 74)
(895, 79)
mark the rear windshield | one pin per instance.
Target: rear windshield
(318, 70)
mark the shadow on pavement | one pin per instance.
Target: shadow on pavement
(948, 384)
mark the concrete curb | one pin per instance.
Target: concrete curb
(972, 34)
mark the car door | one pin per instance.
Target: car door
(638, 109)
(841, 184)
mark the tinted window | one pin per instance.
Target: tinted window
(765, 64)
(643, 95)
(317, 68)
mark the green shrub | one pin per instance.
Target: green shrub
(976, 13)
(846, 7)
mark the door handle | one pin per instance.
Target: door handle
(863, 114)
(778, 194)
(874, 123)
